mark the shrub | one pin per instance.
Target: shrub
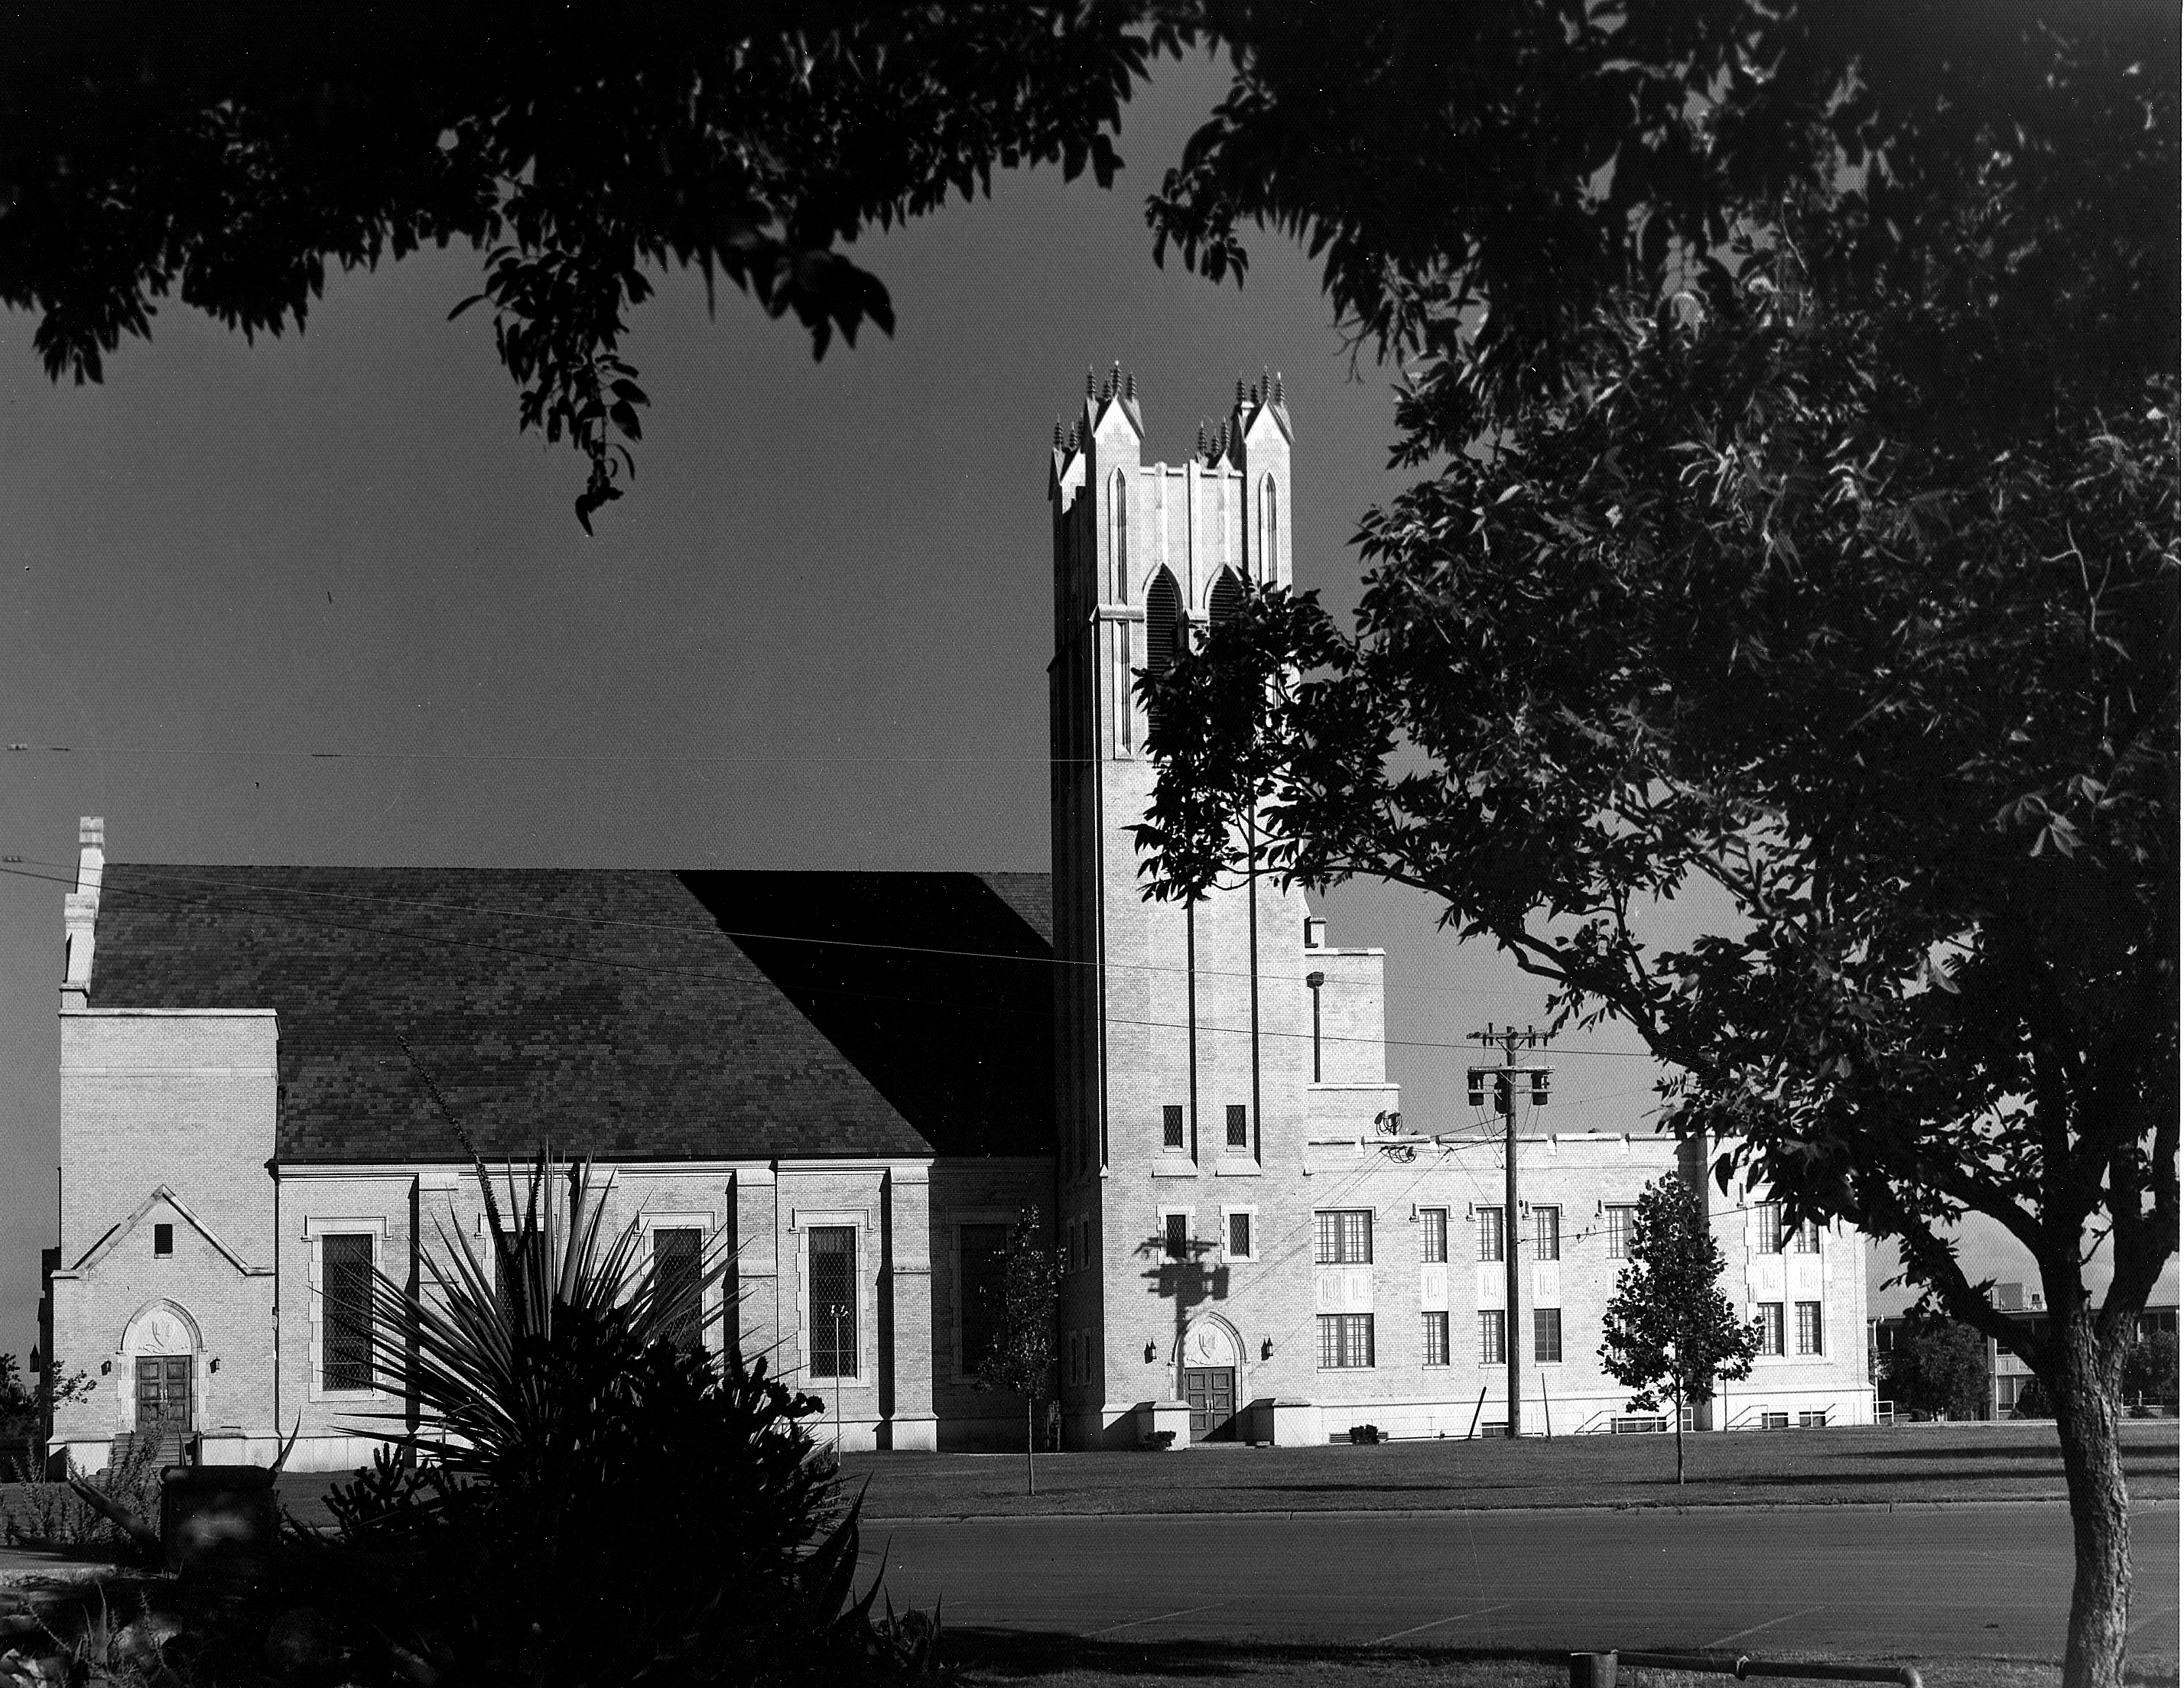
(2032, 1401)
(1362, 1435)
(588, 1501)
(54, 1513)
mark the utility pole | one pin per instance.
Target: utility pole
(1503, 1078)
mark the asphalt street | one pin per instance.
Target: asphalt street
(1958, 1580)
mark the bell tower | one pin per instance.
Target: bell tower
(1180, 1061)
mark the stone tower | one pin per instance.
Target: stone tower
(1183, 1046)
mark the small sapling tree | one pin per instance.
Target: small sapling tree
(1022, 1358)
(1671, 1331)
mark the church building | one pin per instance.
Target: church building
(849, 1084)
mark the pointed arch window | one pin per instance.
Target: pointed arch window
(1226, 601)
(1270, 524)
(1164, 627)
(1119, 531)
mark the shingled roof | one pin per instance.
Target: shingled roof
(625, 1014)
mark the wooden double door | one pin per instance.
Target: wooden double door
(164, 1385)
(1212, 1392)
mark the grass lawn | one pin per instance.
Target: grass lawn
(1907, 1463)
(997, 1661)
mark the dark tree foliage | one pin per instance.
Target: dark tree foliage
(2149, 1369)
(1841, 581)
(231, 157)
(1940, 1366)
(1670, 1331)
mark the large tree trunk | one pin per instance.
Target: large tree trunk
(2086, 1389)
(1031, 1478)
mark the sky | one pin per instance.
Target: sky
(317, 601)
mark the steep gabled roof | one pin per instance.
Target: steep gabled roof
(625, 1013)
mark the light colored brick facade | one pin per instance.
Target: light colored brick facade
(1164, 1012)
(1218, 1086)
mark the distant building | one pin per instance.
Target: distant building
(1991, 1255)
(852, 1083)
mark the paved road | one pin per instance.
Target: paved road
(1978, 1580)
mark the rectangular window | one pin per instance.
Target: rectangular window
(833, 1282)
(1770, 1227)
(1175, 1235)
(1239, 1236)
(1345, 1341)
(1239, 1126)
(345, 1346)
(679, 1283)
(1345, 1237)
(1433, 1340)
(1490, 1233)
(163, 1239)
(1770, 1327)
(1808, 1327)
(980, 1252)
(1546, 1233)
(1433, 1236)
(1619, 1232)
(1805, 1238)
(1172, 1125)
(1493, 1337)
(1547, 1335)
(1774, 1421)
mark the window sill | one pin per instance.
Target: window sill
(1237, 1169)
(1175, 1169)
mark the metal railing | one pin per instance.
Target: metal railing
(1599, 1670)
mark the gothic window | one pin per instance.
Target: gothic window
(1269, 529)
(1118, 532)
(1164, 627)
(1227, 599)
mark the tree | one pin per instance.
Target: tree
(233, 161)
(1021, 1360)
(1940, 1366)
(1538, 154)
(26, 1409)
(2149, 1369)
(1669, 1331)
(1841, 581)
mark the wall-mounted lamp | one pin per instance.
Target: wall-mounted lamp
(105, 1368)
(1152, 1352)
(216, 1363)
(1266, 1347)
(1414, 1212)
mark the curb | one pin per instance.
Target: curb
(2154, 1507)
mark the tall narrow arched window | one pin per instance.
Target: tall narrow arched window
(1118, 532)
(1227, 599)
(1270, 530)
(1164, 628)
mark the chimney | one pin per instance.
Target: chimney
(80, 911)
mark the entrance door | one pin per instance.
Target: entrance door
(1212, 1392)
(162, 1396)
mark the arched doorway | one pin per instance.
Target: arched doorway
(160, 1351)
(1211, 1356)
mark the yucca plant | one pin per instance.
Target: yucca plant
(582, 1501)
